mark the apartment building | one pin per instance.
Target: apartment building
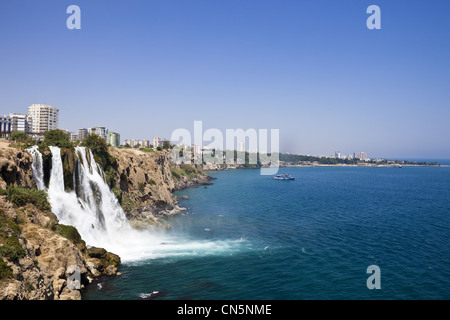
(21, 122)
(44, 118)
(113, 139)
(101, 131)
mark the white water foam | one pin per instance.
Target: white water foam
(38, 167)
(94, 210)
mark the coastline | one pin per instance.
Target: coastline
(258, 221)
(46, 251)
(363, 165)
(369, 165)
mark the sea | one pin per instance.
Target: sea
(248, 236)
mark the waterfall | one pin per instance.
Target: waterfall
(38, 167)
(95, 193)
(93, 209)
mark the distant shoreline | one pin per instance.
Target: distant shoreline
(215, 169)
(363, 166)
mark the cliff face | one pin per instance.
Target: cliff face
(38, 257)
(15, 167)
(146, 180)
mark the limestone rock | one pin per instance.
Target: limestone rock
(15, 167)
(146, 183)
(99, 261)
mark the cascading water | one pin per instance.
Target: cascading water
(84, 212)
(38, 167)
(94, 210)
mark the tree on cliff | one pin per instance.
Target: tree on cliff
(96, 143)
(19, 136)
(166, 144)
(57, 138)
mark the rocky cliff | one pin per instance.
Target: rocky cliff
(15, 167)
(38, 256)
(35, 259)
(145, 181)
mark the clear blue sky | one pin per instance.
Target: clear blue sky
(309, 68)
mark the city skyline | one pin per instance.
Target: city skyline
(314, 71)
(20, 122)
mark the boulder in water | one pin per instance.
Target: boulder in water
(100, 261)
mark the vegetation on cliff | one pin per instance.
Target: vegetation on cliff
(57, 138)
(9, 233)
(184, 170)
(36, 251)
(21, 196)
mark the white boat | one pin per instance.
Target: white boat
(283, 176)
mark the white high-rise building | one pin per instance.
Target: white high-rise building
(360, 156)
(157, 142)
(73, 136)
(241, 146)
(44, 117)
(113, 139)
(145, 144)
(21, 122)
(101, 131)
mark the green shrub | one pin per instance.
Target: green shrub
(175, 173)
(6, 224)
(29, 286)
(11, 248)
(128, 204)
(184, 169)
(19, 136)
(188, 169)
(96, 143)
(110, 175)
(21, 140)
(141, 187)
(57, 138)
(68, 232)
(20, 197)
(5, 270)
(166, 145)
(117, 193)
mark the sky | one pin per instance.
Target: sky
(311, 69)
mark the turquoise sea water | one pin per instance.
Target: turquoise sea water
(251, 237)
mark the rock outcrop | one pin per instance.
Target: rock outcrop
(15, 167)
(40, 256)
(145, 182)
